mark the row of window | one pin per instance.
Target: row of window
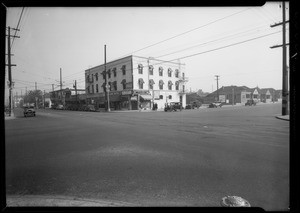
(160, 71)
(113, 85)
(113, 72)
(110, 72)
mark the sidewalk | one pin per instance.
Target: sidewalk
(283, 117)
(44, 200)
(6, 117)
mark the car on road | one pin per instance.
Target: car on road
(173, 106)
(60, 107)
(188, 106)
(29, 111)
(250, 102)
(215, 104)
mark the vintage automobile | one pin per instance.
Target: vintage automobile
(215, 104)
(29, 110)
(250, 102)
(173, 106)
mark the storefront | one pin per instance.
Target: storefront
(125, 99)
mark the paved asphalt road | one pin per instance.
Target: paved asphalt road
(188, 158)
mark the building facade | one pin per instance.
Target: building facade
(136, 82)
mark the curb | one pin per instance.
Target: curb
(43, 200)
(283, 117)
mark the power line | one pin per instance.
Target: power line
(186, 32)
(226, 46)
(17, 28)
(212, 41)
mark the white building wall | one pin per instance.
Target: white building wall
(133, 76)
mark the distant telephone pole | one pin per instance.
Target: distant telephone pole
(217, 76)
(106, 82)
(10, 83)
(285, 92)
(75, 87)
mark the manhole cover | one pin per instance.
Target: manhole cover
(234, 201)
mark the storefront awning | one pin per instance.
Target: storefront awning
(134, 98)
(146, 97)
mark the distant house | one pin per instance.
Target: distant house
(67, 96)
(230, 95)
(267, 95)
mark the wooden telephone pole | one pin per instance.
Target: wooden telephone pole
(285, 92)
(10, 83)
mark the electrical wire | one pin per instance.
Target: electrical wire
(186, 32)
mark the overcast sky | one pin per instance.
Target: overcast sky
(232, 42)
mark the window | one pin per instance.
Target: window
(115, 72)
(161, 97)
(151, 70)
(88, 89)
(170, 72)
(170, 85)
(93, 88)
(177, 85)
(247, 95)
(109, 84)
(123, 82)
(96, 76)
(170, 97)
(151, 82)
(254, 96)
(115, 85)
(87, 78)
(160, 71)
(141, 83)
(109, 73)
(97, 89)
(140, 68)
(104, 87)
(103, 75)
(123, 69)
(176, 73)
(161, 84)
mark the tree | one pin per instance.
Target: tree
(201, 93)
(32, 95)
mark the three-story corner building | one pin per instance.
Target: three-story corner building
(136, 82)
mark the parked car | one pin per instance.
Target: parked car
(215, 104)
(188, 106)
(29, 110)
(173, 106)
(196, 104)
(250, 102)
(60, 106)
(90, 108)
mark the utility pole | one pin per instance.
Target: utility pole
(75, 86)
(285, 92)
(35, 86)
(44, 99)
(232, 95)
(10, 83)
(217, 76)
(106, 83)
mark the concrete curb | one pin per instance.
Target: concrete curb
(52, 201)
(283, 117)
